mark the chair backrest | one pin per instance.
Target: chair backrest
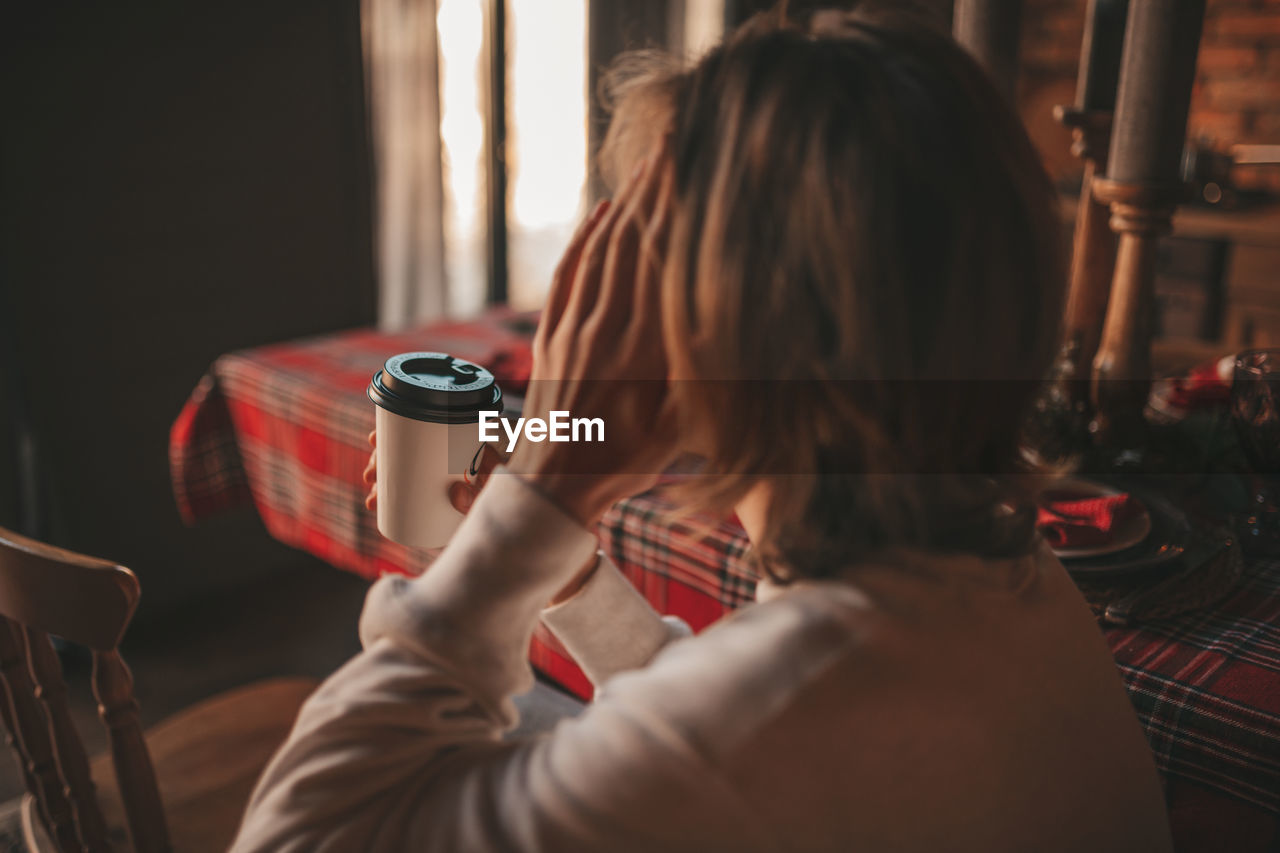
(46, 590)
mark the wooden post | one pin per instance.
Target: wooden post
(496, 150)
(1142, 186)
(1094, 245)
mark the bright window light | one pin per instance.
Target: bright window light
(703, 26)
(546, 143)
(547, 138)
(460, 25)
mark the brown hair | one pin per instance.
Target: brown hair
(862, 288)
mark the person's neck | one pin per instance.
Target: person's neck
(1011, 573)
(752, 511)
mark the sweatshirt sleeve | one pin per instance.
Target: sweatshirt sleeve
(608, 627)
(402, 747)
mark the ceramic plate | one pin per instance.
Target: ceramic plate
(1168, 540)
(1132, 531)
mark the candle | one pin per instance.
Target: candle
(1157, 70)
(989, 29)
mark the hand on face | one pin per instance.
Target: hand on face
(598, 353)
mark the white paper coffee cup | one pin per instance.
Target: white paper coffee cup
(428, 410)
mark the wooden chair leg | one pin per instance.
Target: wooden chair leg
(33, 732)
(1142, 185)
(68, 750)
(144, 812)
(11, 738)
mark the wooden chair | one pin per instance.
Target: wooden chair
(201, 763)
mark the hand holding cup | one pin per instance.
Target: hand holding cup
(461, 494)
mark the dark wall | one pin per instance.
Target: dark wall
(178, 179)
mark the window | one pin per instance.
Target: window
(546, 150)
(490, 219)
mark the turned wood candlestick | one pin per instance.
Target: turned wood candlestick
(1142, 186)
(1140, 215)
(1093, 252)
(1093, 245)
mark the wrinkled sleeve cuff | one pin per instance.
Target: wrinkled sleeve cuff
(475, 608)
(608, 627)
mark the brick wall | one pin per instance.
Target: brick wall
(1237, 92)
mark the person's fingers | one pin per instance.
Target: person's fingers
(647, 306)
(462, 496)
(566, 271)
(591, 268)
(371, 499)
(373, 438)
(370, 475)
(660, 199)
(617, 280)
(641, 196)
(644, 197)
(643, 331)
(631, 253)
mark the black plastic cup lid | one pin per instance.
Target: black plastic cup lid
(435, 387)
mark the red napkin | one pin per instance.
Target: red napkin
(1206, 385)
(1072, 521)
(1203, 387)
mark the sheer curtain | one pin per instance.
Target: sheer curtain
(403, 83)
(433, 106)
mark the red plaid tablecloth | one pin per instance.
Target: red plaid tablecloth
(285, 427)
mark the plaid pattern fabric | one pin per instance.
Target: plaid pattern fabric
(286, 427)
(1206, 686)
(208, 474)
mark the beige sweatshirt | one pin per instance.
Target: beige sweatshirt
(926, 704)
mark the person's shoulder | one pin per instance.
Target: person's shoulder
(720, 687)
(780, 641)
(866, 644)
